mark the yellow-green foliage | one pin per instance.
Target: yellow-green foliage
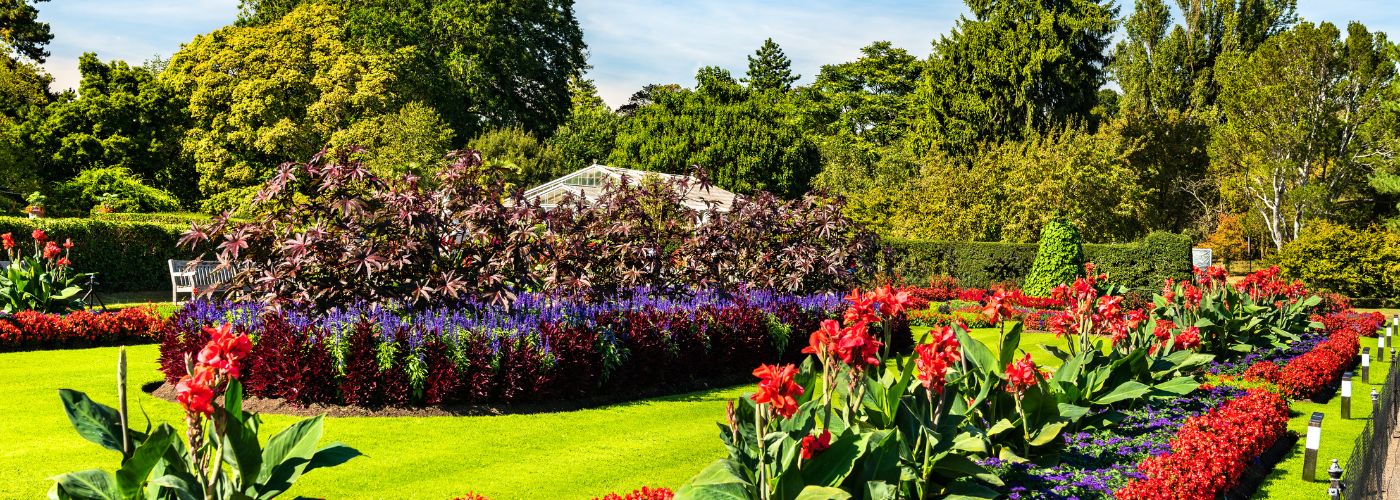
(1344, 260)
(1059, 259)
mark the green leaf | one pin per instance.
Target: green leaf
(287, 455)
(1047, 433)
(977, 353)
(88, 484)
(833, 465)
(1179, 386)
(94, 421)
(1009, 345)
(881, 459)
(133, 474)
(233, 399)
(822, 493)
(1128, 390)
(880, 490)
(721, 480)
(967, 490)
(184, 486)
(1073, 412)
(1001, 426)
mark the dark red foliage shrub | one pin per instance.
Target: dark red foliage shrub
(521, 373)
(479, 379)
(1210, 452)
(444, 379)
(361, 385)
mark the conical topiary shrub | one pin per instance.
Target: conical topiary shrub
(1059, 260)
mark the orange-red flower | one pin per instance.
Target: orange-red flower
(1021, 375)
(813, 445)
(39, 235)
(225, 349)
(51, 250)
(891, 302)
(934, 358)
(856, 347)
(821, 341)
(194, 392)
(777, 388)
(1188, 339)
(8, 239)
(998, 308)
(862, 309)
(67, 243)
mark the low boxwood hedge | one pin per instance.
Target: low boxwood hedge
(1142, 265)
(128, 256)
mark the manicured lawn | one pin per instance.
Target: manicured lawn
(122, 300)
(1338, 436)
(576, 454)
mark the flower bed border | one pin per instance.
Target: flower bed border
(35, 331)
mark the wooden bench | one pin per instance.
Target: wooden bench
(186, 277)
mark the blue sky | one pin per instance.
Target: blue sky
(631, 42)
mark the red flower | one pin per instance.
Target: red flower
(1108, 306)
(998, 308)
(225, 350)
(194, 394)
(67, 243)
(1021, 375)
(891, 302)
(934, 358)
(64, 262)
(1168, 292)
(820, 342)
(862, 308)
(856, 347)
(39, 235)
(1061, 324)
(1163, 330)
(1135, 318)
(8, 239)
(1188, 339)
(51, 250)
(776, 388)
(813, 445)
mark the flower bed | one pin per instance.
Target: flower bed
(1312, 374)
(1209, 454)
(29, 330)
(539, 350)
(1095, 464)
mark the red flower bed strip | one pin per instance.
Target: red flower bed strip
(1210, 452)
(30, 330)
(1318, 370)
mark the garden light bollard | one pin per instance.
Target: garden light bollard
(1346, 396)
(1366, 364)
(1334, 471)
(1314, 440)
(1380, 348)
(1375, 402)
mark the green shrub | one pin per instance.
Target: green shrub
(1058, 261)
(123, 192)
(182, 219)
(125, 255)
(1360, 264)
(1140, 266)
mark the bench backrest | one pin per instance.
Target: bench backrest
(202, 274)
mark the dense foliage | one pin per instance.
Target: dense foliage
(34, 330)
(1356, 263)
(125, 255)
(1058, 260)
(39, 276)
(332, 233)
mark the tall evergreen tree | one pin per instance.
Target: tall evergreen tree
(1016, 65)
(21, 32)
(770, 68)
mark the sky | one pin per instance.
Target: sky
(631, 43)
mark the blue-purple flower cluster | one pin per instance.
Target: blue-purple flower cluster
(1279, 355)
(524, 317)
(1095, 464)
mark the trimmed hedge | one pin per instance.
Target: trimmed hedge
(1059, 260)
(128, 256)
(183, 219)
(1142, 265)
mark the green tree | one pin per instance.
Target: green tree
(587, 136)
(479, 64)
(119, 187)
(1297, 121)
(770, 69)
(413, 140)
(1015, 66)
(746, 141)
(262, 95)
(122, 117)
(21, 32)
(529, 160)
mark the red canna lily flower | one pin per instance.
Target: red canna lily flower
(856, 347)
(813, 445)
(862, 309)
(64, 262)
(39, 235)
(194, 394)
(1021, 375)
(8, 239)
(1188, 339)
(225, 349)
(51, 250)
(777, 388)
(934, 358)
(821, 341)
(67, 243)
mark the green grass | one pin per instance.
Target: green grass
(1338, 436)
(576, 454)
